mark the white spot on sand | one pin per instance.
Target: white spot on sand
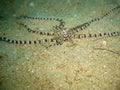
(16, 69)
(75, 15)
(32, 71)
(60, 85)
(32, 4)
(27, 58)
(104, 66)
(104, 42)
(94, 11)
(28, 86)
(111, 20)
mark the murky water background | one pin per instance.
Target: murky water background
(87, 64)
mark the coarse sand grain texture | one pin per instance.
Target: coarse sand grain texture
(84, 64)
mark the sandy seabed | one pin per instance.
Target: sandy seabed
(85, 64)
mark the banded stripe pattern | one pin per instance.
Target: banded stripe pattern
(61, 34)
(61, 25)
(42, 41)
(58, 42)
(104, 35)
(81, 36)
(37, 32)
(85, 25)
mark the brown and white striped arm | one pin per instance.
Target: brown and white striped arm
(104, 35)
(85, 25)
(42, 41)
(55, 44)
(36, 32)
(61, 25)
